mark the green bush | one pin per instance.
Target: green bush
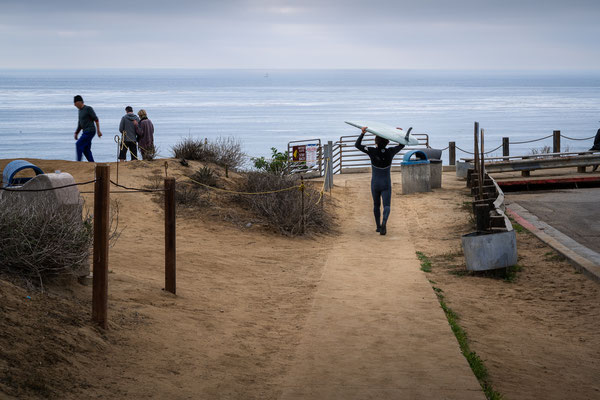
(278, 164)
(205, 175)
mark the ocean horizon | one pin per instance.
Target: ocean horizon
(269, 108)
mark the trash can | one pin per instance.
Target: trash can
(416, 173)
(489, 250)
(12, 168)
(462, 167)
(435, 167)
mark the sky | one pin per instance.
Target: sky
(319, 34)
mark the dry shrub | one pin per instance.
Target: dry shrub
(41, 239)
(283, 210)
(542, 150)
(151, 153)
(189, 149)
(226, 151)
(191, 196)
(223, 151)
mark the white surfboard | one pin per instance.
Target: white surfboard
(387, 132)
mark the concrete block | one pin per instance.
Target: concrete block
(461, 169)
(416, 178)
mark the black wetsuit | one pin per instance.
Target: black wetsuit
(381, 181)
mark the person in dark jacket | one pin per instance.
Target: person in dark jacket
(129, 139)
(145, 135)
(596, 146)
(86, 120)
(381, 181)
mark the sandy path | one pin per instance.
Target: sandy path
(376, 330)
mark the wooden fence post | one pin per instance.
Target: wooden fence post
(556, 142)
(170, 250)
(505, 147)
(452, 153)
(100, 264)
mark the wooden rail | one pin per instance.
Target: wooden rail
(529, 163)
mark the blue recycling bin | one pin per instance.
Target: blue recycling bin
(12, 168)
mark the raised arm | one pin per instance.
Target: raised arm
(359, 144)
(394, 150)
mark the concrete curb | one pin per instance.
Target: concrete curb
(583, 258)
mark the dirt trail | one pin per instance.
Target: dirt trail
(376, 329)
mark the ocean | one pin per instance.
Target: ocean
(265, 109)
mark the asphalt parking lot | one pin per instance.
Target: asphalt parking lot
(574, 212)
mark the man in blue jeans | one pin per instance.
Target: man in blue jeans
(87, 118)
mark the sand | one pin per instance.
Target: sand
(245, 297)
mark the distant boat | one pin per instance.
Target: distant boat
(267, 75)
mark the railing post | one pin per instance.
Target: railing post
(100, 264)
(505, 147)
(170, 250)
(303, 221)
(325, 155)
(341, 156)
(556, 142)
(452, 153)
(330, 164)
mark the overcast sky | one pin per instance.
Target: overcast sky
(269, 34)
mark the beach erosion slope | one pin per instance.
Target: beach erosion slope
(242, 296)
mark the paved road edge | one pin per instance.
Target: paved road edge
(583, 258)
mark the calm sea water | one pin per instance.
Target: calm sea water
(265, 109)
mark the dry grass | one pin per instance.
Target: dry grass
(41, 239)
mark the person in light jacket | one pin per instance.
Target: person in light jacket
(145, 134)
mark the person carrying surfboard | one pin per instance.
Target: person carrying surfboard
(381, 181)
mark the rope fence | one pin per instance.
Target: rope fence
(245, 193)
(520, 142)
(132, 190)
(533, 140)
(47, 189)
(570, 138)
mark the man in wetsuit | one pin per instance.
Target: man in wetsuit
(86, 120)
(381, 181)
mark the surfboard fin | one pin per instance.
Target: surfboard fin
(408, 133)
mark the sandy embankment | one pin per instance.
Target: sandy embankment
(244, 296)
